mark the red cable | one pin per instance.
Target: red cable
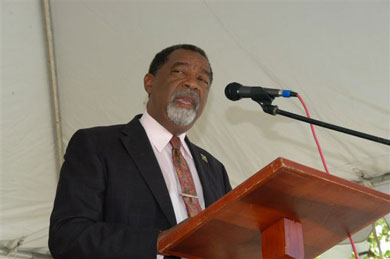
(353, 246)
(314, 135)
(323, 162)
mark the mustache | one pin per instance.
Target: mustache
(194, 94)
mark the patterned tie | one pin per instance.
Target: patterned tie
(185, 178)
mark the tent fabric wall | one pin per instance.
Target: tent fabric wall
(28, 169)
(324, 50)
(335, 54)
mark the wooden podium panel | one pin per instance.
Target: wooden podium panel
(327, 206)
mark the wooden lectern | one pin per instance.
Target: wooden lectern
(286, 210)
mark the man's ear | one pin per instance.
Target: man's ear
(148, 83)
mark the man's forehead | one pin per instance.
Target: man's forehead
(188, 57)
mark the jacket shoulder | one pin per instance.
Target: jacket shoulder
(204, 154)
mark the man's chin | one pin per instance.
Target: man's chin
(181, 116)
(182, 123)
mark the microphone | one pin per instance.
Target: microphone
(235, 91)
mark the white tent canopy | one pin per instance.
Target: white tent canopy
(335, 54)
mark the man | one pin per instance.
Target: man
(119, 186)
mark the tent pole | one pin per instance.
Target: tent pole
(53, 82)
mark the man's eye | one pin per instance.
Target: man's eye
(178, 71)
(203, 80)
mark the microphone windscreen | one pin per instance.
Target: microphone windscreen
(232, 90)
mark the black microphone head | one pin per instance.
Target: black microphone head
(232, 90)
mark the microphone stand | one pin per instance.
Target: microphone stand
(265, 102)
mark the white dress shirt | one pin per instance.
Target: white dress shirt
(159, 137)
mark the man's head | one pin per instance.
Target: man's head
(178, 84)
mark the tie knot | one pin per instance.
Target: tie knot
(175, 142)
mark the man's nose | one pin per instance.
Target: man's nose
(192, 83)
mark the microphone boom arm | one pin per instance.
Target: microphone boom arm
(274, 110)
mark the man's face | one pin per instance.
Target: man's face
(179, 90)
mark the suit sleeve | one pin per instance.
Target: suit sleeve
(77, 229)
(227, 185)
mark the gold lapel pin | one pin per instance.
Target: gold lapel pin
(204, 158)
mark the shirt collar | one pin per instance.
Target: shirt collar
(158, 135)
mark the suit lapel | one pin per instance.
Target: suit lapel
(202, 167)
(138, 146)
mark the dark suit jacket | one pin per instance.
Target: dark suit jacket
(112, 200)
